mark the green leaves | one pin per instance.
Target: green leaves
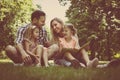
(13, 13)
(100, 18)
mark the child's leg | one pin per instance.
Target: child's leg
(89, 63)
(85, 56)
(45, 57)
(69, 56)
(39, 51)
(74, 62)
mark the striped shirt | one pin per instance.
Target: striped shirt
(42, 35)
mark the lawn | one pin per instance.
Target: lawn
(10, 72)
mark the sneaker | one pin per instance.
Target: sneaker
(93, 63)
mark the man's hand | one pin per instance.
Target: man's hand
(35, 58)
(27, 59)
(47, 44)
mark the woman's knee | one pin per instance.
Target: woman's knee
(40, 47)
(55, 47)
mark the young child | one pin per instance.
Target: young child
(70, 49)
(32, 47)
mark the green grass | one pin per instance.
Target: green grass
(10, 72)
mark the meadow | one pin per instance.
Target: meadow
(10, 72)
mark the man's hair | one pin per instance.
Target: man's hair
(36, 14)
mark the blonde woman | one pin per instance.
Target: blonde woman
(57, 28)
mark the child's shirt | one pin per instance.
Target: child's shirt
(43, 37)
(72, 44)
(32, 45)
(64, 44)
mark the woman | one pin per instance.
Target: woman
(56, 26)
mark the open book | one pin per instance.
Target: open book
(84, 46)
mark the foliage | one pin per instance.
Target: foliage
(99, 18)
(13, 13)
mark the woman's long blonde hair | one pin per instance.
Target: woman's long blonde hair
(54, 34)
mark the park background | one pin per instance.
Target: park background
(97, 21)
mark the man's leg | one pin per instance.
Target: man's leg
(13, 54)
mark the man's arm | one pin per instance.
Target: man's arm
(27, 49)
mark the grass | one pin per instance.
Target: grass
(10, 72)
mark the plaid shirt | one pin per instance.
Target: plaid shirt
(42, 35)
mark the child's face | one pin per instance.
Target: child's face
(36, 33)
(67, 32)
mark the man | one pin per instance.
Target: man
(17, 53)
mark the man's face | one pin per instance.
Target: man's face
(40, 22)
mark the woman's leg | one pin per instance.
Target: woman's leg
(74, 62)
(52, 50)
(13, 54)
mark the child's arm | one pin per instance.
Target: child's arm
(27, 47)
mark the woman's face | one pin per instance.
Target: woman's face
(56, 26)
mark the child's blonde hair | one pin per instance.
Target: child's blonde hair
(29, 32)
(71, 27)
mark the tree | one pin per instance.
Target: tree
(13, 13)
(99, 18)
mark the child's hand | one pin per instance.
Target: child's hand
(35, 58)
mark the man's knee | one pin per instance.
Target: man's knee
(10, 49)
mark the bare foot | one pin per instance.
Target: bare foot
(92, 63)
